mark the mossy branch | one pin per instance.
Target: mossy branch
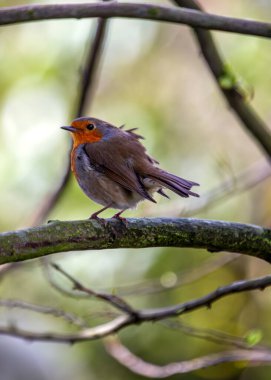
(136, 233)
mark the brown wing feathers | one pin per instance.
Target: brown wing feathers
(116, 166)
(126, 162)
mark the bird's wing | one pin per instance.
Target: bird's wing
(115, 160)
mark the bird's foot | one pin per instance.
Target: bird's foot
(102, 221)
(120, 218)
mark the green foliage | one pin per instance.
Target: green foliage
(254, 337)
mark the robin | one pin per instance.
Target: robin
(113, 169)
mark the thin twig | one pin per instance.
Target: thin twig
(206, 301)
(90, 70)
(46, 267)
(19, 304)
(152, 286)
(18, 14)
(243, 181)
(88, 334)
(234, 94)
(211, 335)
(175, 279)
(135, 364)
(130, 318)
(111, 299)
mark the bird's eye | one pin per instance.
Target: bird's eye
(90, 127)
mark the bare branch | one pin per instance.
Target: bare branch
(206, 301)
(51, 199)
(172, 280)
(243, 181)
(89, 72)
(19, 304)
(143, 368)
(12, 15)
(87, 334)
(46, 266)
(138, 316)
(211, 335)
(234, 94)
(136, 233)
(111, 299)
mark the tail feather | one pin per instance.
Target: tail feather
(174, 178)
(176, 184)
(161, 192)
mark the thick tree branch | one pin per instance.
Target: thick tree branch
(233, 93)
(136, 233)
(12, 15)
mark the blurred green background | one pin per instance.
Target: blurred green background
(152, 77)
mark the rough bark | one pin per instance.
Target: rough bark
(60, 236)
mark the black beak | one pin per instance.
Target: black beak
(70, 129)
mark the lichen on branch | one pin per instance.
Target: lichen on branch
(136, 233)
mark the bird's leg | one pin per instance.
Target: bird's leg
(95, 214)
(117, 216)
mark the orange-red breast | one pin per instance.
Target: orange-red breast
(113, 168)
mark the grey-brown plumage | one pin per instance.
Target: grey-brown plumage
(113, 168)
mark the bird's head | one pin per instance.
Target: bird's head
(89, 130)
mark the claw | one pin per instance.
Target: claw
(102, 221)
(120, 218)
